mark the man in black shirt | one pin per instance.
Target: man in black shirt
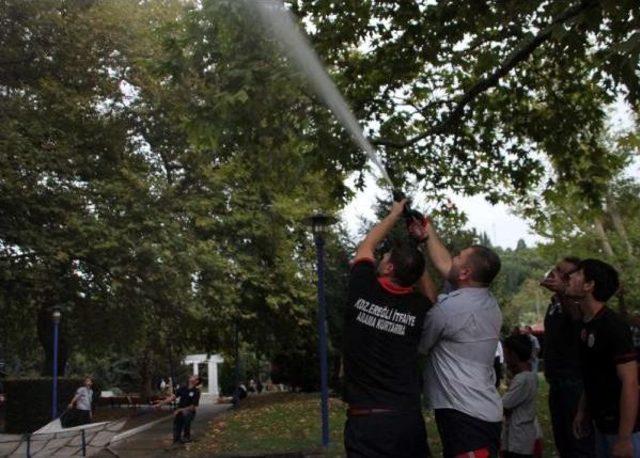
(188, 399)
(383, 323)
(562, 325)
(608, 362)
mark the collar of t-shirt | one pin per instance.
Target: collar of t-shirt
(393, 288)
(385, 282)
(598, 314)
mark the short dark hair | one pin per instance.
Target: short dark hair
(603, 276)
(408, 262)
(485, 264)
(572, 260)
(520, 345)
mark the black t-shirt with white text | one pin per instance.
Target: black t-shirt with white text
(188, 397)
(605, 342)
(383, 323)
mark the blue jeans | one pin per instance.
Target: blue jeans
(604, 444)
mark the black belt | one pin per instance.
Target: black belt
(353, 411)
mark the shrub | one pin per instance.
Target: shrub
(28, 405)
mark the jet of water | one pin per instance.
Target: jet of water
(282, 24)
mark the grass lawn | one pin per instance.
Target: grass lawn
(287, 422)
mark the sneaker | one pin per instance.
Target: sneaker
(186, 440)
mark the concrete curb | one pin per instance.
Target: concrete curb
(133, 431)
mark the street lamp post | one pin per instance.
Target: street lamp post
(56, 316)
(319, 224)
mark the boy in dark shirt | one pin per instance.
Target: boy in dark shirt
(608, 360)
(188, 399)
(383, 323)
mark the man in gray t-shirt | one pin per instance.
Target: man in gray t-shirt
(460, 336)
(82, 403)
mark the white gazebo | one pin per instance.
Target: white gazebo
(212, 362)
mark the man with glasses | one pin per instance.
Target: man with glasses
(562, 361)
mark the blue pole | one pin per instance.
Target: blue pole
(54, 394)
(322, 341)
(84, 444)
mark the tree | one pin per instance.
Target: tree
(157, 201)
(469, 96)
(65, 159)
(517, 287)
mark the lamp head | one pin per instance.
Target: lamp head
(56, 315)
(319, 222)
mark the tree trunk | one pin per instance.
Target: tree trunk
(612, 210)
(145, 374)
(606, 246)
(604, 239)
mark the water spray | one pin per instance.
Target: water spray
(283, 25)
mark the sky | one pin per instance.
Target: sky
(503, 227)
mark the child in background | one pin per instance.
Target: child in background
(519, 402)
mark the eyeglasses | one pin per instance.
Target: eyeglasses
(568, 273)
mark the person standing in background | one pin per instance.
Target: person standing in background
(562, 371)
(610, 372)
(519, 402)
(82, 403)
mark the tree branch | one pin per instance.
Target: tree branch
(520, 55)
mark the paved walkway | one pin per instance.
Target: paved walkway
(156, 442)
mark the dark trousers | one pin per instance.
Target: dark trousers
(564, 396)
(182, 423)
(75, 417)
(387, 434)
(84, 417)
(461, 433)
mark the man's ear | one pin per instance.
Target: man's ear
(589, 286)
(389, 269)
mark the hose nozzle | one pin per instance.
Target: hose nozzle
(407, 212)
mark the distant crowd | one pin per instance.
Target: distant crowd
(396, 313)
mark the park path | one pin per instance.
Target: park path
(156, 441)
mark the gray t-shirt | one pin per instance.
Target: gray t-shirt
(460, 336)
(520, 429)
(85, 396)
